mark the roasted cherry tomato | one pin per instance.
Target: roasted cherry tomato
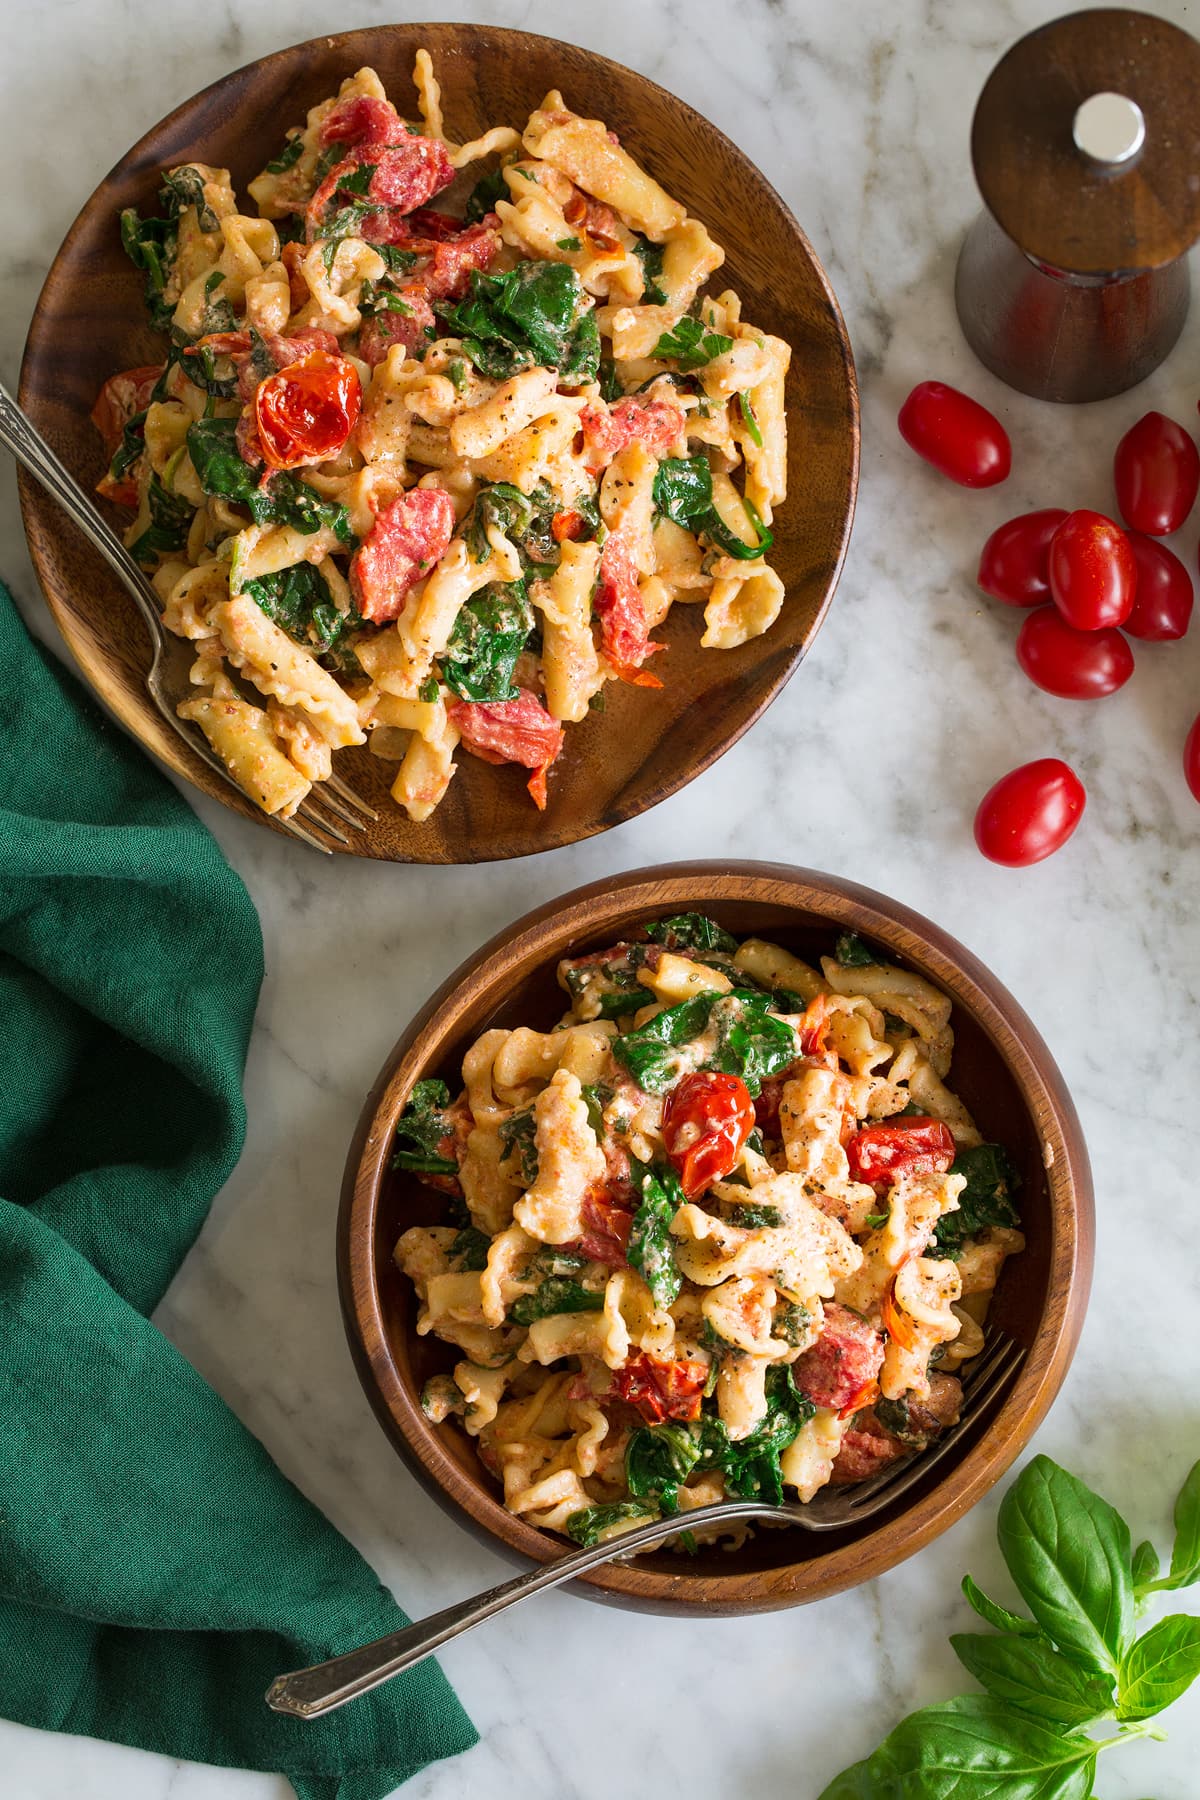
(1191, 759)
(706, 1120)
(1030, 813)
(956, 435)
(662, 1388)
(307, 410)
(1156, 471)
(1162, 606)
(879, 1153)
(1093, 575)
(1075, 665)
(1014, 564)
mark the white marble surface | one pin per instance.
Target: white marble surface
(869, 765)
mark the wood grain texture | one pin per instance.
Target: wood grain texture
(1074, 284)
(90, 322)
(1004, 1073)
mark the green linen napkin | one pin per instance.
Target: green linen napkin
(156, 1568)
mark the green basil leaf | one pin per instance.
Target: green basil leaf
(1069, 1553)
(1185, 1553)
(651, 1248)
(557, 1295)
(691, 344)
(1029, 1674)
(995, 1614)
(1146, 1566)
(973, 1748)
(1159, 1667)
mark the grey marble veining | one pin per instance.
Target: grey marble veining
(870, 765)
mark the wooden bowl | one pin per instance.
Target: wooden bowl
(1004, 1073)
(90, 321)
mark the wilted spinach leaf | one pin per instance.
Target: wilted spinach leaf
(170, 516)
(537, 314)
(691, 931)
(651, 1248)
(986, 1199)
(298, 600)
(423, 1124)
(683, 492)
(489, 634)
(691, 344)
(557, 1295)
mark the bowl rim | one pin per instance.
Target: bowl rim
(128, 704)
(545, 934)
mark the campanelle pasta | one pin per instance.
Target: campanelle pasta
(429, 479)
(723, 1231)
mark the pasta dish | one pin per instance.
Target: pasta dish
(724, 1231)
(431, 478)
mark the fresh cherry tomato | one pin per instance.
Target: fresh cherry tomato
(1156, 470)
(879, 1153)
(1014, 564)
(1191, 759)
(306, 411)
(1092, 572)
(1030, 813)
(1162, 606)
(956, 435)
(706, 1120)
(662, 1388)
(1075, 665)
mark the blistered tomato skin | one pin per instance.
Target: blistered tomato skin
(1074, 665)
(1162, 606)
(1093, 575)
(1156, 471)
(1191, 759)
(1014, 564)
(1030, 813)
(956, 435)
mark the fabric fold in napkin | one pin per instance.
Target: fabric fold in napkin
(156, 1569)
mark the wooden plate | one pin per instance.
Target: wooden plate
(90, 321)
(1001, 1068)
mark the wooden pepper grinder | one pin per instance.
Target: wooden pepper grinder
(1073, 285)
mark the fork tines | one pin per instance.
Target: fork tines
(347, 806)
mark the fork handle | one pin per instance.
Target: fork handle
(31, 450)
(309, 1693)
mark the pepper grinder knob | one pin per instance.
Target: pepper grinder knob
(1110, 128)
(1073, 284)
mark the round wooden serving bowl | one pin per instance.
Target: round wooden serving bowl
(1002, 1070)
(90, 322)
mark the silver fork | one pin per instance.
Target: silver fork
(310, 1693)
(34, 453)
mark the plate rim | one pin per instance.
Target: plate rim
(136, 714)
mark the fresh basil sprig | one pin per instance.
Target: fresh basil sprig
(1055, 1677)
